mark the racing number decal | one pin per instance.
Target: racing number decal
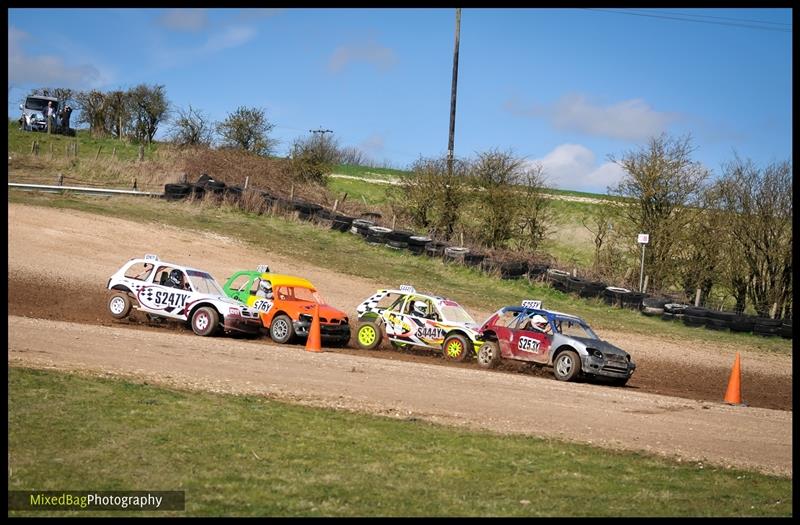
(156, 299)
(262, 305)
(430, 332)
(528, 344)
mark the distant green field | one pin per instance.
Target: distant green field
(249, 456)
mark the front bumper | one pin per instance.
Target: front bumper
(329, 332)
(242, 325)
(607, 368)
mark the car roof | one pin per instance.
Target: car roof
(279, 279)
(166, 263)
(436, 298)
(540, 311)
(42, 97)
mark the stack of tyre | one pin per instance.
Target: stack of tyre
(398, 239)
(418, 243)
(175, 192)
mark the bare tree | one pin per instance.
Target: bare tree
(63, 95)
(494, 174)
(92, 106)
(663, 181)
(600, 224)
(432, 197)
(535, 215)
(353, 156)
(758, 203)
(191, 127)
(313, 157)
(247, 129)
(118, 112)
(149, 107)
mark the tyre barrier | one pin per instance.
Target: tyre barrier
(174, 192)
(417, 244)
(786, 329)
(513, 269)
(361, 227)
(667, 316)
(694, 316)
(377, 235)
(767, 327)
(592, 289)
(435, 249)
(215, 186)
(535, 270)
(633, 300)
(455, 254)
(717, 320)
(576, 284)
(474, 259)
(742, 323)
(613, 295)
(554, 275)
(371, 216)
(653, 306)
(198, 191)
(234, 192)
(397, 245)
(399, 236)
(341, 223)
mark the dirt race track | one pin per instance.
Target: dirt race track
(77, 252)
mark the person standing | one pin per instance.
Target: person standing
(50, 113)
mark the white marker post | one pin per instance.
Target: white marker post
(644, 238)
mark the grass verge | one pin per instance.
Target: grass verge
(249, 456)
(349, 255)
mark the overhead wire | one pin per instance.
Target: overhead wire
(747, 26)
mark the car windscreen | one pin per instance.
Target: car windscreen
(452, 311)
(204, 283)
(36, 104)
(574, 328)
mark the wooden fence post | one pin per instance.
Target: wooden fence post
(246, 181)
(97, 155)
(697, 297)
(644, 287)
(335, 205)
(141, 152)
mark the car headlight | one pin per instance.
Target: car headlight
(595, 353)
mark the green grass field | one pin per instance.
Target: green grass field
(349, 255)
(249, 456)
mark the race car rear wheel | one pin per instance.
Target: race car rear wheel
(369, 335)
(567, 366)
(456, 348)
(281, 329)
(489, 355)
(205, 321)
(119, 305)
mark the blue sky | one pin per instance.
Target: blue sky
(564, 87)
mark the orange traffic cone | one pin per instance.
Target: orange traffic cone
(734, 394)
(314, 341)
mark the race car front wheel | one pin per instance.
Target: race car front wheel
(119, 305)
(368, 336)
(281, 329)
(567, 366)
(489, 355)
(456, 348)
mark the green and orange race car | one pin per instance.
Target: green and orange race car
(289, 312)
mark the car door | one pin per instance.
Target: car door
(529, 344)
(427, 331)
(399, 327)
(159, 299)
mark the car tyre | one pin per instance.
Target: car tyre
(281, 330)
(369, 335)
(456, 348)
(205, 321)
(489, 355)
(119, 305)
(567, 366)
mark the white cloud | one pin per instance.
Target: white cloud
(632, 119)
(369, 51)
(575, 167)
(46, 70)
(230, 37)
(184, 19)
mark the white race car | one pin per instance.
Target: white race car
(168, 290)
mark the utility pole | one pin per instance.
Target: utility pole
(453, 95)
(320, 131)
